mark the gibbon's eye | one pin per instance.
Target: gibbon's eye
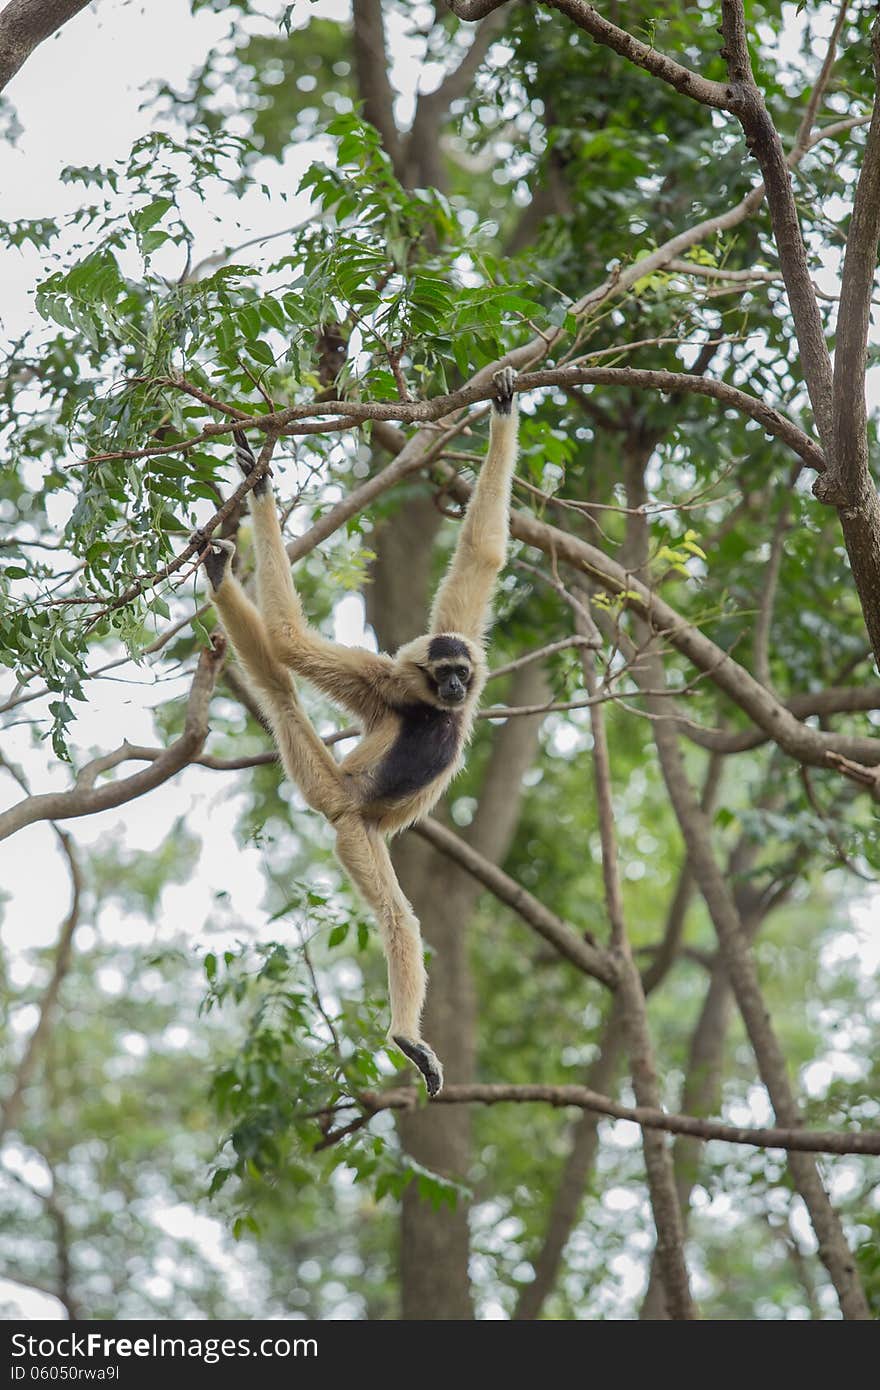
(463, 673)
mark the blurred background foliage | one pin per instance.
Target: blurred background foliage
(166, 1160)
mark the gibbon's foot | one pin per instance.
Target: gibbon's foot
(504, 383)
(244, 457)
(425, 1059)
(215, 557)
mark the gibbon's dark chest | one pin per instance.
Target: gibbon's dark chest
(426, 745)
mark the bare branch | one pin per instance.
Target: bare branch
(578, 948)
(643, 55)
(833, 700)
(658, 1159)
(538, 655)
(474, 9)
(764, 618)
(806, 745)
(87, 800)
(789, 1138)
(747, 103)
(850, 481)
(806, 126)
(24, 24)
(480, 389)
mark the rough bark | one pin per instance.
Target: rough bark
(736, 954)
(435, 1246)
(24, 24)
(371, 73)
(634, 1017)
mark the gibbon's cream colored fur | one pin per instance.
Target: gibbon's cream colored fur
(416, 708)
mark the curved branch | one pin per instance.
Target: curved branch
(481, 389)
(812, 746)
(683, 79)
(834, 700)
(86, 800)
(789, 1138)
(24, 24)
(570, 944)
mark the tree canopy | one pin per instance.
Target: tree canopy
(649, 897)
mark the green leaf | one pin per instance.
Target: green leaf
(262, 352)
(147, 217)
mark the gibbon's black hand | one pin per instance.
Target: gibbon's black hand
(246, 460)
(417, 707)
(215, 556)
(427, 1062)
(505, 381)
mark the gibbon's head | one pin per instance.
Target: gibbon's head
(444, 668)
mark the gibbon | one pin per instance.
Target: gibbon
(416, 708)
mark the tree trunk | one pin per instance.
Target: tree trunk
(435, 1245)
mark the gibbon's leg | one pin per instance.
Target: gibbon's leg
(353, 678)
(363, 853)
(464, 598)
(307, 761)
(277, 598)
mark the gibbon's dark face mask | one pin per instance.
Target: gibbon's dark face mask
(450, 668)
(451, 688)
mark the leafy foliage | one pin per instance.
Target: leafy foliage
(209, 1060)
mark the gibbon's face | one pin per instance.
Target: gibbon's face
(446, 665)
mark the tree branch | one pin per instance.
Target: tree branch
(833, 700)
(850, 478)
(479, 390)
(790, 1138)
(24, 24)
(658, 1159)
(811, 746)
(805, 129)
(584, 953)
(762, 138)
(86, 800)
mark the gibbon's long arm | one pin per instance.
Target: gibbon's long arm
(463, 601)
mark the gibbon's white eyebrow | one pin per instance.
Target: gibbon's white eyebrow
(416, 708)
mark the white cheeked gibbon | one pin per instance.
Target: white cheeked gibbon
(416, 708)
